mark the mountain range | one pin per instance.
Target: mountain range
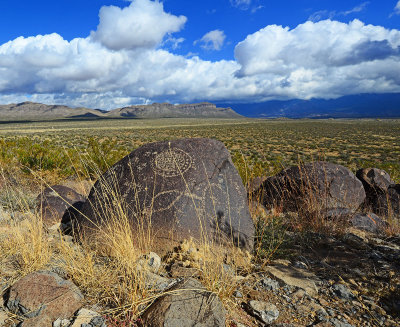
(352, 106)
(27, 111)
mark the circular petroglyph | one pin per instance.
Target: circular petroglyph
(173, 162)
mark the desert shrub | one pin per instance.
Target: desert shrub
(252, 167)
(102, 155)
(271, 239)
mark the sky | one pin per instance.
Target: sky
(113, 53)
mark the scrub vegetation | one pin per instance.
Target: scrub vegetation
(36, 155)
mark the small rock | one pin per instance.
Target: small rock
(43, 297)
(269, 284)
(54, 228)
(238, 294)
(300, 265)
(322, 315)
(61, 322)
(238, 324)
(294, 277)
(337, 323)
(186, 304)
(88, 318)
(154, 281)
(343, 292)
(355, 240)
(150, 262)
(266, 312)
(299, 294)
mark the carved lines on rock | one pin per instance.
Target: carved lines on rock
(172, 163)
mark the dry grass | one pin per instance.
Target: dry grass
(107, 271)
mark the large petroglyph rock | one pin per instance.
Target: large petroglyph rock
(186, 188)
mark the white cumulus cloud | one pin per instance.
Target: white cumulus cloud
(213, 40)
(143, 24)
(324, 59)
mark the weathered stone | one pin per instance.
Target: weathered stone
(266, 312)
(150, 262)
(343, 292)
(62, 323)
(42, 297)
(88, 318)
(313, 187)
(382, 194)
(294, 277)
(388, 204)
(368, 222)
(179, 189)
(337, 323)
(187, 304)
(269, 284)
(300, 265)
(54, 201)
(154, 281)
(374, 181)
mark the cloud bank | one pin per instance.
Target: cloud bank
(125, 61)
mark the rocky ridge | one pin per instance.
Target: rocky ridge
(37, 111)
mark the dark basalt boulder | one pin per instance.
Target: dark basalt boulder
(180, 189)
(54, 201)
(374, 180)
(317, 187)
(388, 204)
(368, 222)
(383, 195)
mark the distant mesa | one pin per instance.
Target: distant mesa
(167, 110)
(38, 111)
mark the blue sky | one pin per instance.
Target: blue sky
(112, 53)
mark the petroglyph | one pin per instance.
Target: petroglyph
(187, 188)
(172, 163)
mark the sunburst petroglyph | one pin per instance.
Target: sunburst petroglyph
(172, 163)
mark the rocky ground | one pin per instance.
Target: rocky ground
(320, 250)
(353, 280)
(347, 280)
